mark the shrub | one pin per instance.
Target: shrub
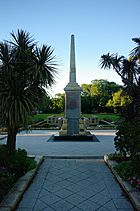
(127, 169)
(12, 165)
(124, 169)
(21, 163)
(127, 140)
(134, 182)
(118, 157)
(17, 162)
(6, 179)
(4, 156)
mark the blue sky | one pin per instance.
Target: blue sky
(99, 26)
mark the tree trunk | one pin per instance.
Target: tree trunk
(11, 139)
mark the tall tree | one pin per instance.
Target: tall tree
(58, 103)
(135, 53)
(119, 101)
(25, 71)
(98, 93)
(129, 71)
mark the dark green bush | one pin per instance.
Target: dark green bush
(118, 157)
(17, 162)
(128, 169)
(4, 156)
(21, 163)
(125, 169)
(136, 165)
(127, 140)
(6, 179)
(12, 165)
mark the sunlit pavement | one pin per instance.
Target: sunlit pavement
(35, 142)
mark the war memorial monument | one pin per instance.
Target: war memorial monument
(73, 128)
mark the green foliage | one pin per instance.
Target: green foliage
(58, 103)
(118, 157)
(6, 182)
(96, 95)
(127, 140)
(45, 104)
(108, 117)
(12, 165)
(25, 71)
(20, 163)
(119, 100)
(125, 169)
(6, 179)
(100, 116)
(129, 168)
(17, 162)
(41, 117)
(136, 165)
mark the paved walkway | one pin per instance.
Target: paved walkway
(71, 184)
(74, 184)
(36, 143)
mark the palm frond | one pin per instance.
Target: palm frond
(22, 39)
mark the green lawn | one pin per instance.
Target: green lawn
(109, 117)
(101, 116)
(39, 117)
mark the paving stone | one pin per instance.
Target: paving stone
(65, 175)
(88, 206)
(63, 193)
(75, 199)
(110, 206)
(53, 178)
(75, 209)
(50, 198)
(27, 203)
(100, 198)
(116, 193)
(31, 193)
(43, 192)
(87, 193)
(62, 206)
(75, 188)
(84, 183)
(58, 171)
(77, 178)
(104, 209)
(98, 187)
(64, 183)
(52, 187)
(40, 206)
(122, 204)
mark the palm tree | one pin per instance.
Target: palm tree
(25, 71)
(135, 53)
(128, 70)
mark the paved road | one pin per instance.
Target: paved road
(36, 143)
(74, 184)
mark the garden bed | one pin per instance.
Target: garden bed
(16, 192)
(132, 193)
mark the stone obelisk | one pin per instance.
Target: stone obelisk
(72, 96)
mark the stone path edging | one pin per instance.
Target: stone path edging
(13, 197)
(130, 191)
(74, 157)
